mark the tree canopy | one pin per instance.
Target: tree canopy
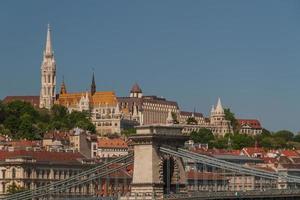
(234, 122)
(14, 188)
(202, 136)
(191, 120)
(20, 120)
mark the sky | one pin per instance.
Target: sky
(245, 52)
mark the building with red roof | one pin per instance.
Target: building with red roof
(255, 152)
(111, 147)
(250, 126)
(31, 169)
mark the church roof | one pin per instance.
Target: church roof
(136, 89)
(99, 98)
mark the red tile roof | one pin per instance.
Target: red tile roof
(289, 153)
(250, 151)
(43, 156)
(24, 143)
(112, 143)
(253, 123)
(33, 100)
(57, 135)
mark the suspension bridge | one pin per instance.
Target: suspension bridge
(159, 172)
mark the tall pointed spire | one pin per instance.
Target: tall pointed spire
(48, 75)
(48, 48)
(219, 108)
(93, 85)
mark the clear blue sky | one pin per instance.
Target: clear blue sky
(246, 52)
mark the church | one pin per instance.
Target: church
(110, 114)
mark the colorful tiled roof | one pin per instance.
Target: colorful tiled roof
(99, 98)
(253, 123)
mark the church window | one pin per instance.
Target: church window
(48, 78)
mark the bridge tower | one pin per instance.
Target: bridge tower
(155, 172)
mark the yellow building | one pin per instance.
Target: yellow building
(103, 107)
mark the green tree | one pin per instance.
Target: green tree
(234, 122)
(267, 142)
(2, 112)
(203, 136)
(174, 116)
(285, 135)
(26, 129)
(14, 188)
(191, 120)
(59, 112)
(220, 143)
(4, 131)
(240, 141)
(297, 138)
(12, 123)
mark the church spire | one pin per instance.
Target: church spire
(93, 85)
(48, 48)
(48, 75)
(63, 88)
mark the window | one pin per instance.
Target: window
(3, 188)
(3, 174)
(13, 173)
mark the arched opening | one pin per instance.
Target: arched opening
(168, 172)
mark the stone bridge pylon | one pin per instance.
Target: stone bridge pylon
(156, 173)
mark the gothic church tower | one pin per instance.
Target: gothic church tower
(48, 75)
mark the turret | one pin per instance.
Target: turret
(136, 91)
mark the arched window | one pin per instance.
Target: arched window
(13, 173)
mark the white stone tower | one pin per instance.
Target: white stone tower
(48, 75)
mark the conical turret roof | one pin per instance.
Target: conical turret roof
(136, 89)
(219, 107)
